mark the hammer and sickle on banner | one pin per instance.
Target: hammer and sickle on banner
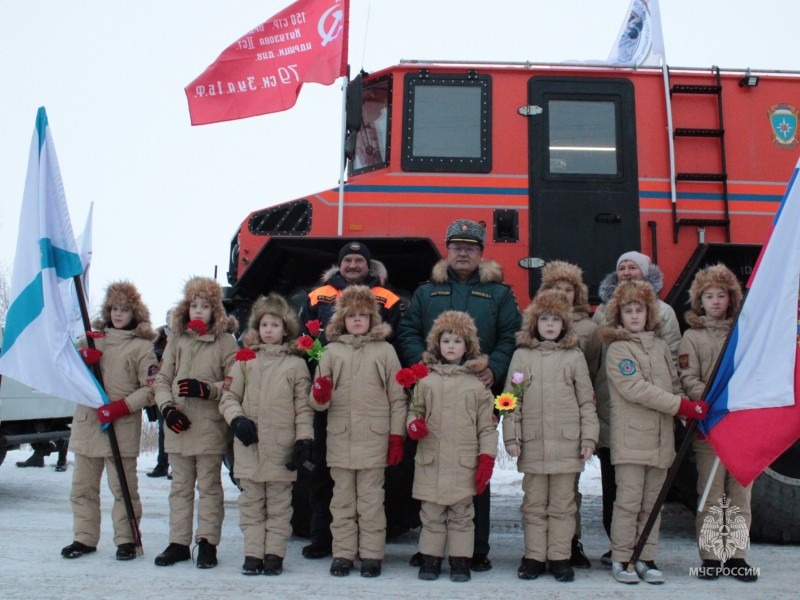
(331, 33)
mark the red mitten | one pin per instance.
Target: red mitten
(113, 411)
(91, 356)
(483, 473)
(692, 409)
(395, 450)
(417, 429)
(323, 386)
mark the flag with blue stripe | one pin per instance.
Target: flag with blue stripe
(37, 347)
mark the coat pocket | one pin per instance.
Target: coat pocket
(470, 461)
(642, 434)
(337, 426)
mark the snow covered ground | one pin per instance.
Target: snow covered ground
(35, 523)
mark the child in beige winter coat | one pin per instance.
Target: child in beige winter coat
(356, 383)
(715, 298)
(568, 279)
(266, 404)
(645, 395)
(553, 431)
(124, 338)
(199, 353)
(453, 422)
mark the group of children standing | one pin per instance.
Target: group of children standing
(265, 393)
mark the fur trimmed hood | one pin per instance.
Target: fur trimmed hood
(124, 293)
(378, 275)
(654, 277)
(209, 289)
(456, 322)
(547, 302)
(379, 333)
(489, 271)
(559, 270)
(715, 276)
(608, 334)
(276, 305)
(475, 365)
(634, 291)
(354, 298)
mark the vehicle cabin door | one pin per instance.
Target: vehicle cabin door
(584, 190)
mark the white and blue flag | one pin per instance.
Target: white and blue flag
(37, 348)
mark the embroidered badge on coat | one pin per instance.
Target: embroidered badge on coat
(683, 361)
(627, 367)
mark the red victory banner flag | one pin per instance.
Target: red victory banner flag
(263, 71)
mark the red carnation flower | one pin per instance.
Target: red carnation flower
(420, 371)
(245, 354)
(95, 334)
(305, 342)
(314, 327)
(406, 378)
(197, 326)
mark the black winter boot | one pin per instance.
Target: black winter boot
(206, 554)
(317, 550)
(370, 567)
(172, 554)
(273, 564)
(76, 550)
(577, 557)
(459, 569)
(741, 571)
(430, 567)
(34, 460)
(480, 563)
(710, 569)
(561, 570)
(531, 568)
(252, 566)
(126, 551)
(340, 567)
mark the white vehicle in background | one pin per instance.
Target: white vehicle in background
(28, 416)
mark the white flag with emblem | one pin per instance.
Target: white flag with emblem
(640, 42)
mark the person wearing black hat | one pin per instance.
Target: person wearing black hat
(467, 282)
(355, 266)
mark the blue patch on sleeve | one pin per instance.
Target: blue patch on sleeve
(627, 367)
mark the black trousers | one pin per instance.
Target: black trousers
(609, 485)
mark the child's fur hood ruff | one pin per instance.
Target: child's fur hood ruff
(634, 291)
(609, 334)
(546, 302)
(489, 271)
(276, 305)
(654, 277)
(124, 293)
(474, 365)
(715, 276)
(354, 298)
(255, 344)
(559, 270)
(377, 273)
(379, 333)
(696, 321)
(210, 290)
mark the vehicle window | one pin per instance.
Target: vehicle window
(582, 137)
(372, 139)
(447, 123)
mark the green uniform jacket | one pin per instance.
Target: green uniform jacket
(484, 297)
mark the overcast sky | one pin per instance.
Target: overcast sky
(168, 196)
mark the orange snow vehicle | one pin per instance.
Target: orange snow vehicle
(557, 161)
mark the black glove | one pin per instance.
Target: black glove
(175, 419)
(193, 388)
(245, 430)
(301, 456)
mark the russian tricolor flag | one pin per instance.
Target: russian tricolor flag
(754, 417)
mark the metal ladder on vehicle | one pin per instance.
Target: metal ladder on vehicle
(693, 132)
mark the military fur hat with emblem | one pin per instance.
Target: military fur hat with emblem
(209, 290)
(459, 323)
(353, 299)
(637, 291)
(718, 276)
(125, 294)
(465, 231)
(559, 270)
(546, 302)
(275, 305)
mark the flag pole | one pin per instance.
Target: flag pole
(112, 436)
(680, 455)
